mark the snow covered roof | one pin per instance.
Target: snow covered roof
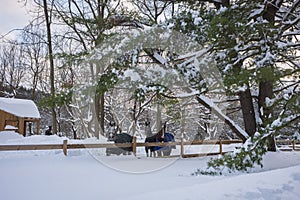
(19, 107)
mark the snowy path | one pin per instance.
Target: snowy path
(49, 175)
(54, 176)
(82, 177)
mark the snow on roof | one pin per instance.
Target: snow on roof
(9, 127)
(19, 107)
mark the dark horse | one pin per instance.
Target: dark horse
(120, 138)
(161, 136)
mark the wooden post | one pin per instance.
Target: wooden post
(181, 148)
(65, 147)
(38, 126)
(220, 143)
(134, 145)
(293, 144)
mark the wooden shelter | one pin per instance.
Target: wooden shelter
(20, 113)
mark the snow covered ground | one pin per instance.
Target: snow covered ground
(36, 175)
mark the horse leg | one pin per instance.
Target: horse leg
(167, 152)
(152, 153)
(147, 151)
(159, 154)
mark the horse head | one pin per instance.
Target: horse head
(161, 133)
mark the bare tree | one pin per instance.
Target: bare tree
(89, 23)
(35, 54)
(154, 11)
(51, 59)
(13, 69)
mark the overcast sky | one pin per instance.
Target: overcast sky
(13, 15)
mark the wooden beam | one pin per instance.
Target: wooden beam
(134, 145)
(30, 147)
(181, 148)
(202, 154)
(65, 147)
(38, 127)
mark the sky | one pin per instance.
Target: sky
(13, 15)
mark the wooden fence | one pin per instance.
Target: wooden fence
(293, 145)
(65, 146)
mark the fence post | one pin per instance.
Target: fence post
(181, 148)
(293, 143)
(220, 143)
(134, 145)
(65, 147)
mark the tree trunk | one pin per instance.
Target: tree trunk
(99, 111)
(266, 85)
(100, 100)
(49, 40)
(266, 91)
(102, 114)
(248, 111)
(245, 97)
(158, 118)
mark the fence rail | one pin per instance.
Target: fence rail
(292, 144)
(65, 146)
(30, 147)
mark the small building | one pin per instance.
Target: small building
(19, 113)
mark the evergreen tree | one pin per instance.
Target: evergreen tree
(252, 49)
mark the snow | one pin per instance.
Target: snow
(217, 110)
(7, 136)
(197, 20)
(159, 58)
(297, 135)
(50, 175)
(10, 127)
(133, 75)
(256, 12)
(19, 107)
